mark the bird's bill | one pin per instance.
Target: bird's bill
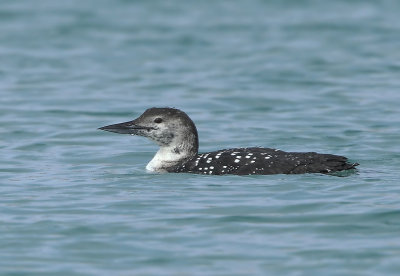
(125, 128)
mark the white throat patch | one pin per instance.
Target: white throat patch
(165, 158)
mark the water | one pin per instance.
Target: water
(296, 75)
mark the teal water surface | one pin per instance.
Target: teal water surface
(295, 75)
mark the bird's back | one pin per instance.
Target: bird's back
(244, 161)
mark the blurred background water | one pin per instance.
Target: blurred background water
(295, 75)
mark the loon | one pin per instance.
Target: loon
(176, 134)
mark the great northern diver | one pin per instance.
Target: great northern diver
(176, 134)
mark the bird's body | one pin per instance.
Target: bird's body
(177, 137)
(243, 161)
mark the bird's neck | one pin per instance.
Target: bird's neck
(168, 157)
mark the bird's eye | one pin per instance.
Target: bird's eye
(157, 120)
